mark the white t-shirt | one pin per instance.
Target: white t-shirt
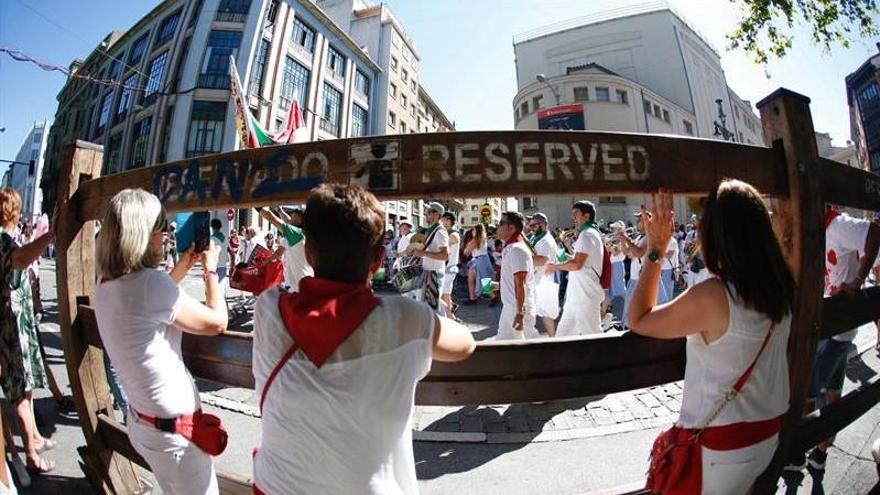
(345, 427)
(671, 261)
(454, 249)
(844, 242)
(583, 284)
(295, 265)
(635, 267)
(403, 243)
(135, 314)
(517, 258)
(222, 242)
(440, 240)
(546, 246)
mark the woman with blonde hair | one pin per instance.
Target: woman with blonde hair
(21, 365)
(142, 314)
(480, 265)
(737, 325)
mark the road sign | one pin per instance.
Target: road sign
(230, 214)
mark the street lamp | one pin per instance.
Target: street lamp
(542, 79)
(721, 127)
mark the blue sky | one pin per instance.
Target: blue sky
(465, 46)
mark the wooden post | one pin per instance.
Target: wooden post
(75, 277)
(797, 221)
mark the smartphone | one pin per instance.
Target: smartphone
(193, 228)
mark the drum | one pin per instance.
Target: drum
(410, 276)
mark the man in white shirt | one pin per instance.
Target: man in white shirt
(296, 267)
(222, 242)
(448, 223)
(851, 246)
(517, 321)
(434, 256)
(546, 288)
(403, 241)
(581, 313)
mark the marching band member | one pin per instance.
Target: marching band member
(517, 319)
(635, 249)
(448, 223)
(403, 241)
(546, 288)
(581, 313)
(434, 256)
(618, 271)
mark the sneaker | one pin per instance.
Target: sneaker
(817, 459)
(797, 464)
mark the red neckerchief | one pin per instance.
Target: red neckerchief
(830, 215)
(514, 238)
(324, 313)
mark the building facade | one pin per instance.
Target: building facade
(842, 154)
(24, 175)
(169, 93)
(863, 95)
(636, 69)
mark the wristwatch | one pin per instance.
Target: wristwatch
(654, 256)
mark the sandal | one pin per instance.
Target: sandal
(42, 468)
(47, 445)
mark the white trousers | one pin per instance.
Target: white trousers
(179, 466)
(547, 298)
(505, 326)
(580, 318)
(732, 472)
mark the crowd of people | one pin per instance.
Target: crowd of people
(336, 365)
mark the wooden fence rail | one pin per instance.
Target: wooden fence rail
(482, 164)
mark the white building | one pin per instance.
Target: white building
(24, 175)
(635, 69)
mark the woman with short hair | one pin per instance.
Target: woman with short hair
(142, 314)
(737, 325)
(21, 365)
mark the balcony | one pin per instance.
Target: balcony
(231, 17)
(213, 81)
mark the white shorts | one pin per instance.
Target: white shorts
(179, 466)
(547, 298)
(448, 282)
(580, 318)
(505, 326)
(732, 472)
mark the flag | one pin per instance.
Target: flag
(294, 130)
(250, 132)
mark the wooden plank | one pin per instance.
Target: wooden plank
(838, 415)
(797, 221)
(225, 358)
(75, 273)
(86, 327)
(843, 185)
(842, 313)
(115, 435)
(449, 164)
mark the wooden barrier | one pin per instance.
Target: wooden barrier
(481, 164)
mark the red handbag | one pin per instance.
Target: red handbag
(259, 274)
(675, 462)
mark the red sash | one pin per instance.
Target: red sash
(319, 318)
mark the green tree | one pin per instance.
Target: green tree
(764, 29)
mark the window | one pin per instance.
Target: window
(874, 162)
(166, 133)
(665, 115)
(869, 93)
(195, 13)
(403, 100)
(414, 86)
(233, 10)
(115, 66)
(104, 116)
(394, 63)
(125, 97)
(392, 90)
(612, 200)
(657, 110)
(332, 114)
(113, 155)
(622, 97)
(529, 202)
(167, 28)
(647, 105)
(272, 12)
(359, 121)
(140, 135)
(392, 120)
(404, 75)
(361, 83)
(402, 127)
(335, 62)
(294, 83)
(206, 128)
(97, 87)
(256, 85)
(688, 127)
(582, 94)
(137, 50)
(524, 109)
(602, 94)
(412, 110)
(536, 102)
(303, 35)
(215, 70)
(88, 127)
(157, 72)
